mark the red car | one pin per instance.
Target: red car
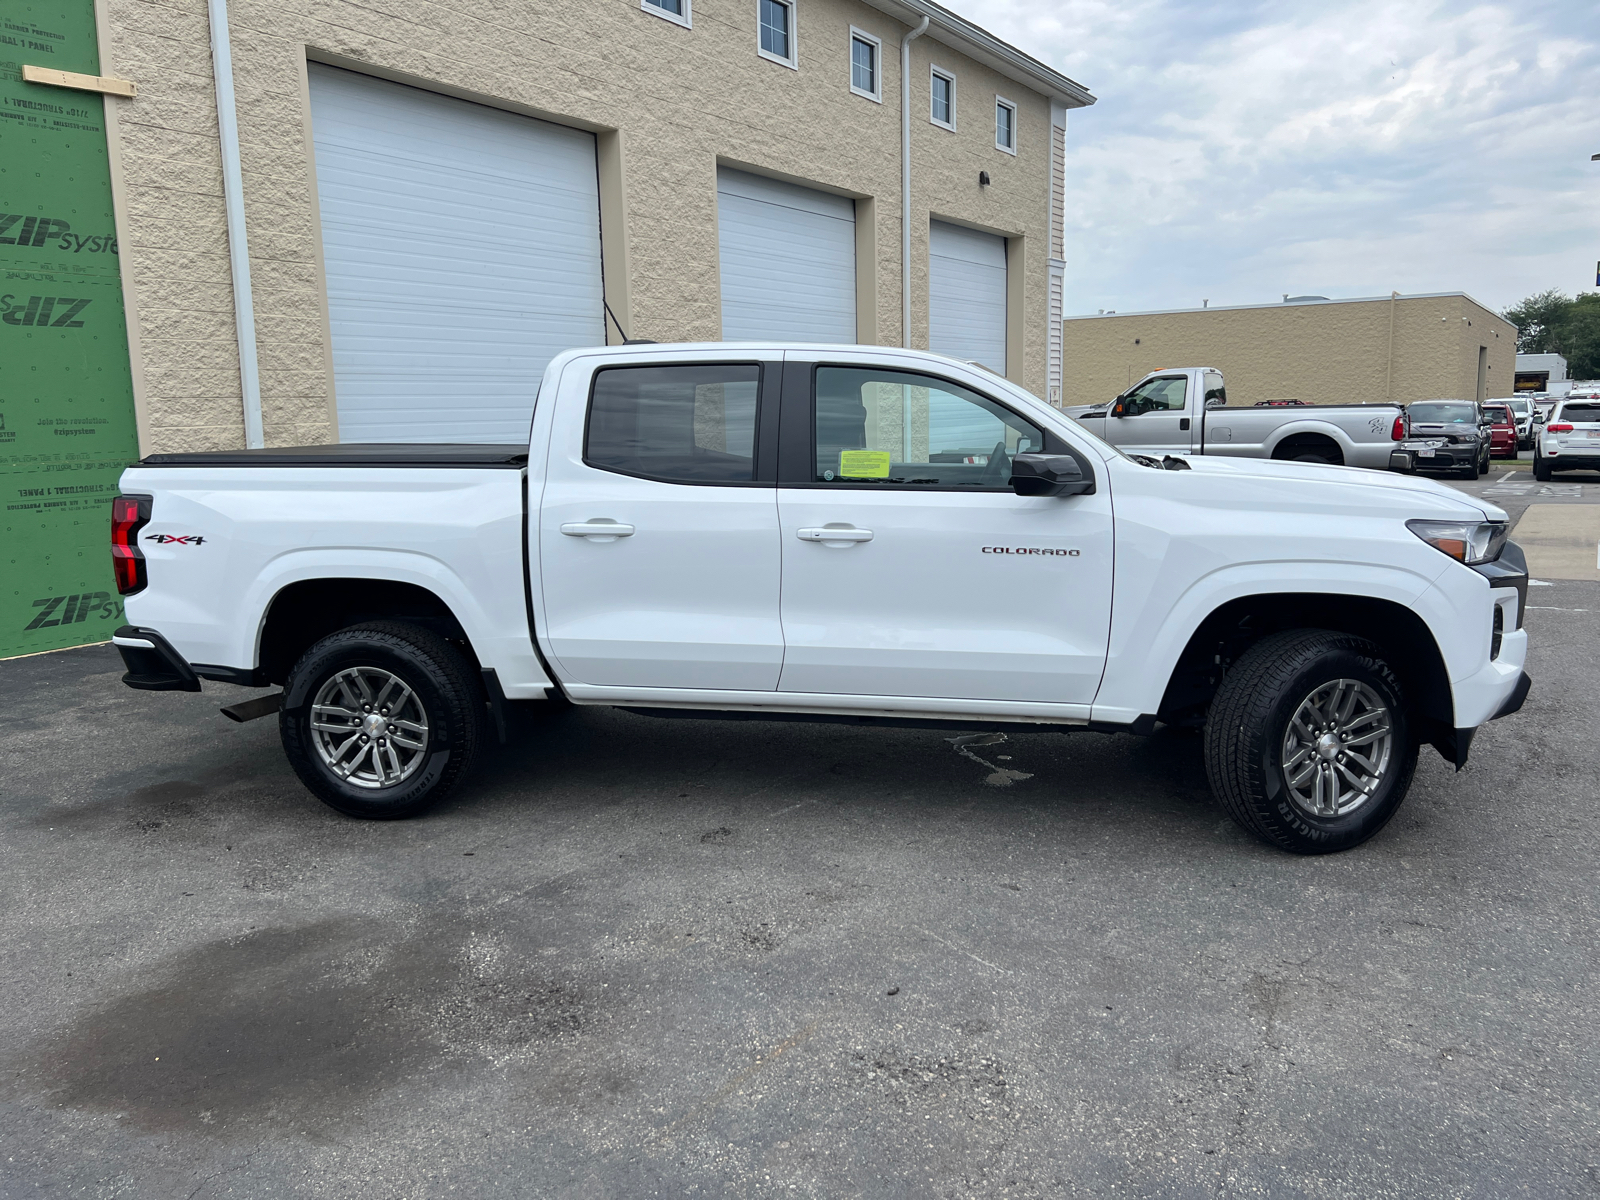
(1503, 433)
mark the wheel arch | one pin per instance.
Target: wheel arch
(1326, 440)
(305, 611)
(1232, 627)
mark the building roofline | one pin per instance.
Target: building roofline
(1161, 312)
(977, 43)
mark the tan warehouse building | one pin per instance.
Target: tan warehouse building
(438, 198)
(1392, 348)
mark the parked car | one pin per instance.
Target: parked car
(1183, 410)
(1570, 440)
(1522, 411)
(1502, 431)
(1442, 435)
(762, 531)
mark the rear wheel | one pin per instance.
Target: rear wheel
(1541, 468)
(381, 720)
(1308, 742)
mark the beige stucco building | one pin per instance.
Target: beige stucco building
(1391, 348)
(693, 117)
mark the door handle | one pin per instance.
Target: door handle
(599, 529)
(835, 535)
(1184, 423)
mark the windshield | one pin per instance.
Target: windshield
(1442, 414)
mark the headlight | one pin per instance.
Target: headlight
(1470, 542)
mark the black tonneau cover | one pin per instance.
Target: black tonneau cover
(354, 454)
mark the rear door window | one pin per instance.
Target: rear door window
(679, 423)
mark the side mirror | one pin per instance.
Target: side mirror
(1049, 475)
(1119, 409)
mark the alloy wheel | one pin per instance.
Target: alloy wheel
(1337, 748)
(369, 727)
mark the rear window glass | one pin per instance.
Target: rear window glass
(1580, 412)
(679, 424)
(1499, 413)
(1442, 414)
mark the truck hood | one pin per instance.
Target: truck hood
(1418, 497)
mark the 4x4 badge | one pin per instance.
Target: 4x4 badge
(179, 539)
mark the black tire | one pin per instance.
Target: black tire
(445, 689)
(1249, 728)
(1541, 468)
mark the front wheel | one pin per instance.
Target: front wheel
(381, 720)
(1308, 743)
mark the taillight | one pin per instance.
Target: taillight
(129, 514)
(1398, 433)
(1562, 428)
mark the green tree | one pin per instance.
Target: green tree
(1551, 322)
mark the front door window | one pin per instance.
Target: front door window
(878, 428)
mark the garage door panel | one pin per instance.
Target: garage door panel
(462, 251)
(967, 294)
(788, 261)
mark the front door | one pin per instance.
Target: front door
(910, 568)
(658, 535)
(1155, 418)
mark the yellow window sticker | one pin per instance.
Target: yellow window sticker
(864, 464)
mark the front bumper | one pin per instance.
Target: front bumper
(1443, 458)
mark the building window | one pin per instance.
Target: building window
(1005, 125)
(672, 10)
(866, 74)
(777, 30)
(942, 109)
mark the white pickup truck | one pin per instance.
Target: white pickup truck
(1183, 410)
(827, 533)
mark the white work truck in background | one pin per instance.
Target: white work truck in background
(827, 533)
(1183, 410)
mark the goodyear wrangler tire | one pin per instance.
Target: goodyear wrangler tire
(381, 720)
(1308, 743)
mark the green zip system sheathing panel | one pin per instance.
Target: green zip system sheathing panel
(66, 394)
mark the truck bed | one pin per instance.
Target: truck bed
(355, 454)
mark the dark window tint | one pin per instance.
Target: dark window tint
(892, 427)
(682, 424)
(1442, 414)
(1580, 412)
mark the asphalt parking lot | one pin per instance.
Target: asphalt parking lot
(637, 957)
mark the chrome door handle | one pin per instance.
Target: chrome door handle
(835, 535)
(600, 529)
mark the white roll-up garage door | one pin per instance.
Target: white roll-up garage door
(967, 295)
(462, 247)
(788, 261)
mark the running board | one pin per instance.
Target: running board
(249, 710)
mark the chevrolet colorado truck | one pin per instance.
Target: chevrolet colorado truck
(826, 533)
(1184, 410)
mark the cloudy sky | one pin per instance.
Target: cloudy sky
(1246, 150)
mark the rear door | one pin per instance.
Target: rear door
(658, 526)
(910, 568)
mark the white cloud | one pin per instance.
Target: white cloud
(1240, 153)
